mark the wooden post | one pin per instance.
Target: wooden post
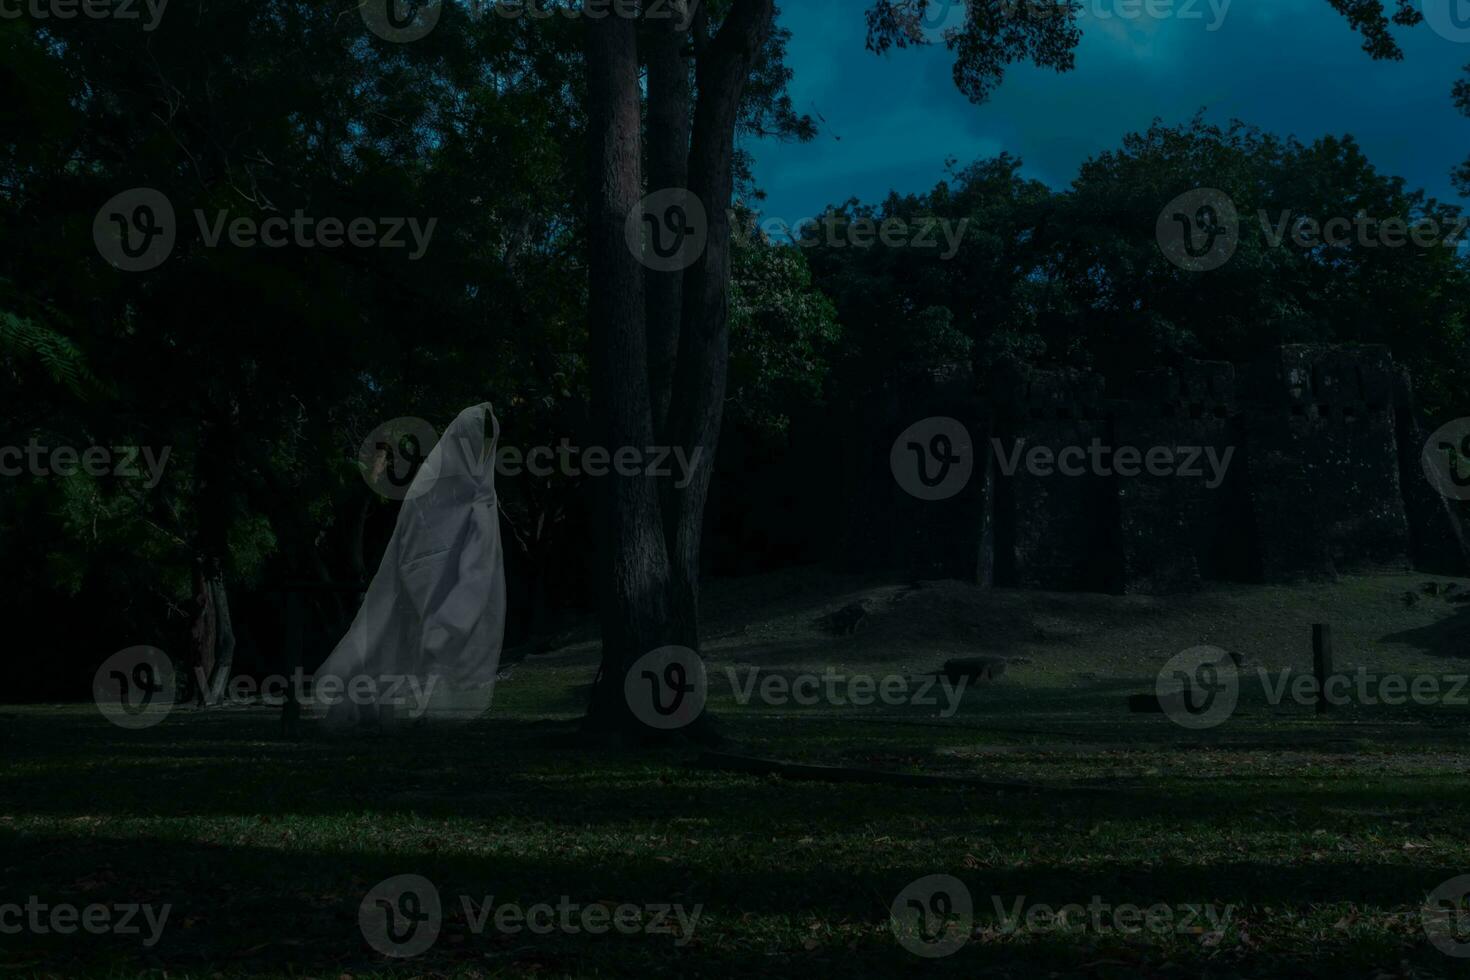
(1322, 662)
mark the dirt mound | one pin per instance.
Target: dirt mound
(812, 617)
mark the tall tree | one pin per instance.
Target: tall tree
(651, 534)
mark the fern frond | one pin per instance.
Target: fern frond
(62, 359)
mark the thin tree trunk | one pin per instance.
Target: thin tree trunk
(202, 634)
(669, 99)
(217, 489)
(704, 334)
(212, 636)
(224, 653)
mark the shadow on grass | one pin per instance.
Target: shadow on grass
(231, 766)
(264, 849)
(254, 908)
(1446, 638)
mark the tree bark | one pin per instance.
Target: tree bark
(632, 553)
(669, 99)
(224, 651)
(212, 636)
(651, 536)
(698, 401)
(202, 634)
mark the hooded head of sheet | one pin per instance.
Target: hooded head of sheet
(426, 641)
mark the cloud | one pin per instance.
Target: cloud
(1289, 66)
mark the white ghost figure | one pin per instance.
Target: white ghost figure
(426, 642)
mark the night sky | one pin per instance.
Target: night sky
(1292, 67)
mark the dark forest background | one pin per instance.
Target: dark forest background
(262, 370)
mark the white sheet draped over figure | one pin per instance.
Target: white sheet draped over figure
(426, 642)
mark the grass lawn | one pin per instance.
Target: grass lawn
(1322, 836)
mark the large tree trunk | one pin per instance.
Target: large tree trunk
(652, 535)
(634, 570)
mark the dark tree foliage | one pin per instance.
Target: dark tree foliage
(1076, 277)
(262, 369)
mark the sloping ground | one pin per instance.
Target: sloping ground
(1319, 838)
(1381, 622)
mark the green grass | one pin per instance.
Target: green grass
(1324, 835)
